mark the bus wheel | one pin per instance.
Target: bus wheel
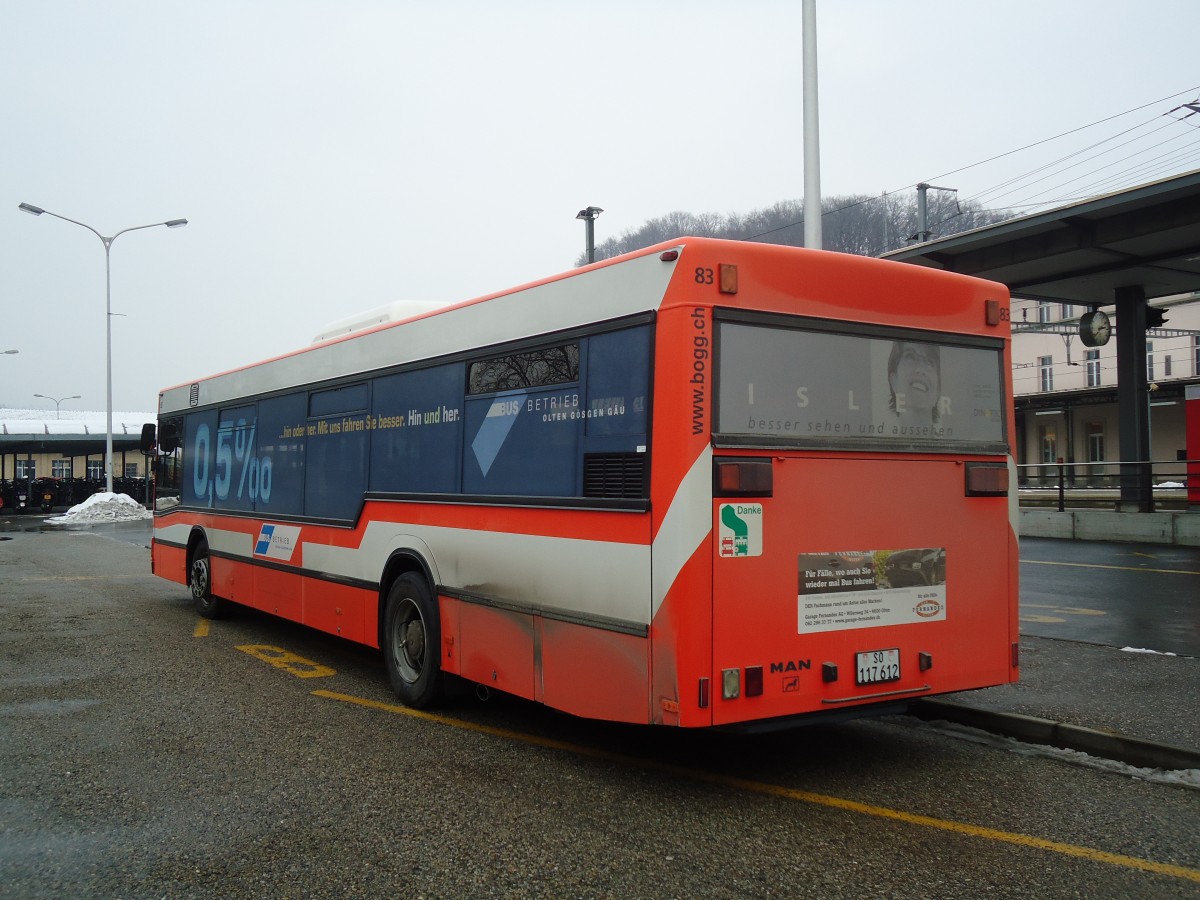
(411, 638)
(207, 605)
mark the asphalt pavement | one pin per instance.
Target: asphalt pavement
(1103, 699)
(1136, 708)
(1113, 670)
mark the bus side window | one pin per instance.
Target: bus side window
(281, 442)
(416, 436)
(167, 464)
(523, 443)
(199, 454)
(618, 383)
(335, 455)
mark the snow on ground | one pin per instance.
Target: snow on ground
(102, 507)
(1185, 777)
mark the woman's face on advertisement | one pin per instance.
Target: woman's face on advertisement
(917, 378)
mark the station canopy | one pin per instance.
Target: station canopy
(1082, 253)
(26, 432)
(1122, 250)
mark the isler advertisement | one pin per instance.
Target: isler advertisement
(816, 388)
(871, 588)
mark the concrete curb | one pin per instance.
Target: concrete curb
(1032, 730)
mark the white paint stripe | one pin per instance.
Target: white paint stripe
(565, 574)
(604, 578)
(688, 522)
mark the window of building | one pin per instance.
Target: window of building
(131, 470)
(1094, 438)
(1067, 311)
(1149, 360)
(1167, 366)
(1043, 311)
(60, 468)
(95, 469)
(1047, 438)
(1095, 441)
(1092, 362)
(1046, 373)
(1196, 355)
(26, 468)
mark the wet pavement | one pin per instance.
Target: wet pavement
(1110, 651)
(1085, 609)
(136, 532)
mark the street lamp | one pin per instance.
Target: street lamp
(107, 241)
(589, 217)
(58, 402)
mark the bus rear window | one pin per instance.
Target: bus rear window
(883, 389)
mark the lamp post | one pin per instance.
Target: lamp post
(589, 217)
(57, 402)
(107, 241)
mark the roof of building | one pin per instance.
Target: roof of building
(1081, 253)
(79, 433)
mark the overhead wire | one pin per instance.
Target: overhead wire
(1091, 172)
(1063, 134)
(1194, 109)
(989, 193)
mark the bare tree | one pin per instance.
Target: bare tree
(861, 224)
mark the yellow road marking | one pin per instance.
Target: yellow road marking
(758, 787)
(289, 662)
(202, 626)
(1072, 610)
(1047, 562)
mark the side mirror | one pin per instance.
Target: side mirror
(149, 438)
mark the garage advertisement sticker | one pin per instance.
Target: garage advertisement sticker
(871, 588)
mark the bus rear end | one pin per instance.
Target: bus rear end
(863, 552)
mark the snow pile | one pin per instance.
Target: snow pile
(103, 507)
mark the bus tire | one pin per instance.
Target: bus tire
(200, 582)
(412, 642)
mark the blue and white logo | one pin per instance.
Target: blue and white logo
(277, 541)
(499, 421)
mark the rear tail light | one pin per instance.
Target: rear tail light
(986, 480)
(743, 478)
(754, 681)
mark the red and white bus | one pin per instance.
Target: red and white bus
(708, 483)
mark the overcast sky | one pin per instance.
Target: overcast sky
(335, 156)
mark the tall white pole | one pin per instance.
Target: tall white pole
(108, 440)
(812, 136)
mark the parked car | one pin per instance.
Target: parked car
(916, 568)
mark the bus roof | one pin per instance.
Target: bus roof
(626, 285)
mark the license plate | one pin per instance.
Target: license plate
(877, 666)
